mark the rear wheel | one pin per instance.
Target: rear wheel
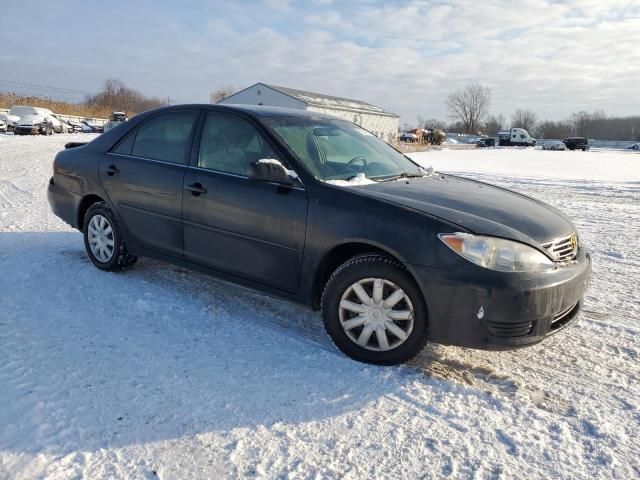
(374, 312)
(103, 240)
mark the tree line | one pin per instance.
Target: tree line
(114, 96)
(468, 109)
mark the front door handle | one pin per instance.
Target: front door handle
(196, 189)
(111, 170)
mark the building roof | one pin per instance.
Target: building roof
(267, 111)
(326, 101)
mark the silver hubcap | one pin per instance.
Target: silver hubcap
(376, 314)
(101, 241)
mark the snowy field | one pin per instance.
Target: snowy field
(164, 373)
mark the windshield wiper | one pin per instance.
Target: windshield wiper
(402, 175)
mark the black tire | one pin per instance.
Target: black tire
(373, 266)
(120, 259)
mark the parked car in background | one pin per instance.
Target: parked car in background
(11, 121)
(319, 211)
(553, 145)
(577, 143)
(34, 120)
(409, 137)
(58, 125)
(486, 142)
(72, 126)
(635, 146)
(3, 126)
(91, 127)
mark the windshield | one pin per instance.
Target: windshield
(340, 150)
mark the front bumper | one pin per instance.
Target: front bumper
(27, 130)
(479, 308)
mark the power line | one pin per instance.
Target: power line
(55, 93)
(17, 83)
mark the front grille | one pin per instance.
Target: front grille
(562, 249)
(503, 329)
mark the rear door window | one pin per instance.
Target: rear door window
(165, 137)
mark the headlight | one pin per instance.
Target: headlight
(497, 254)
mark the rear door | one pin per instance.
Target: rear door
(247, 228)
(143, 178)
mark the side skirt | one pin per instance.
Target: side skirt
(262, 288)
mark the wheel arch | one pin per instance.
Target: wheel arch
(338, 254)
(84, 205)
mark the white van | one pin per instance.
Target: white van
(36, 120)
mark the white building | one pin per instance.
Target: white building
(381, 123)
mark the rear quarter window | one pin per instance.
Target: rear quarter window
(126, 144)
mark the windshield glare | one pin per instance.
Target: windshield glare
(340, 150)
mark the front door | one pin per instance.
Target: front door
(250, 229)
(143, 177)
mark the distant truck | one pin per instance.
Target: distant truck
(516, 137)
(116, 119)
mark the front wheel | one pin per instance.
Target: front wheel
(374, 312)
(103, 240)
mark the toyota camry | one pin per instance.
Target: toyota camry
(322, 212)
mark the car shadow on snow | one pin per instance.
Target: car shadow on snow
(94, 359)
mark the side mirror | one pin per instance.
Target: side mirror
(271, 170)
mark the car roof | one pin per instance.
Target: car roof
(260, 111)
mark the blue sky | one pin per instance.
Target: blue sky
(555, 57)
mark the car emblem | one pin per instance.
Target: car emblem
(574, 241)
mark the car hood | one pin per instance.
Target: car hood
(477, 207)
(31, 120)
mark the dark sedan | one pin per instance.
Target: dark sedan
(577, 143)
(319, 211)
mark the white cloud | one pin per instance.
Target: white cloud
(553, 57)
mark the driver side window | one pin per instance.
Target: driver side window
(230, 144)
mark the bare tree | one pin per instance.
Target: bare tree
(554, 129)
(524, 119)
(222, 93)
(468, 105)
(115, 95)
(494, 124)
(431, 123)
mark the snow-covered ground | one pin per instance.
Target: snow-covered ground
(161, 372)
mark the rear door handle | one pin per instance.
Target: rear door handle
(111, 170)
(196, 189)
